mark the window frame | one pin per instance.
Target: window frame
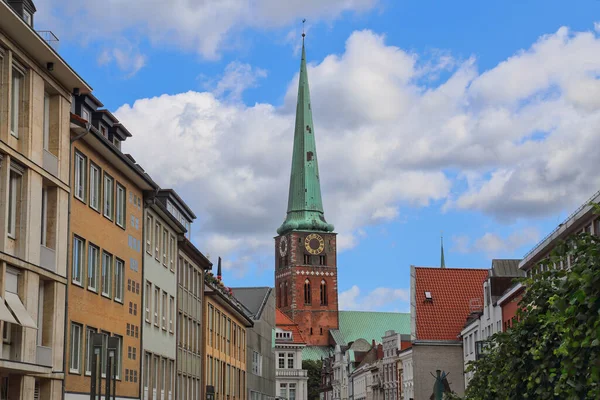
(171, 313)
(157, 232)
(119, 285)
(172, 252)
(156, 306)
(164, 301)
(148, 300)
(97, 186)
(107, 177)
(75, 351)
(80, 176)
(107, 274)
(89, 349)
(81, 265)
(120, 219)
(15, 189)
(16, 98)
(89, 254)
(150, 224)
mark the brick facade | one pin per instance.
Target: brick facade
(294, 267)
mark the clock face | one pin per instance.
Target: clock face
(283, 245)
(314, 243)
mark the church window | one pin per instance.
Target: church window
(322, 260)
(307, 299)
(307, 259)
(285, 295)
(323, 293)
(279, 294)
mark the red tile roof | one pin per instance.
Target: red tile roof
(452, 290)
(285, 323)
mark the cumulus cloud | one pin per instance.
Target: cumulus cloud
(200, 26)
(126, 56)
(235, 80)
(376, 300)
(493, 244)
(388, 138)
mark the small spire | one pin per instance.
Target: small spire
(219, 269)
(443, 262)
(303, 33)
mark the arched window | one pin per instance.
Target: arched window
(323, 293)
(285, 295)
(279, 294)
(307, 297)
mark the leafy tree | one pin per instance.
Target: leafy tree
(553, 352)
(314, 377)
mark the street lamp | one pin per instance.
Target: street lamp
(97, 346)
(111, 366)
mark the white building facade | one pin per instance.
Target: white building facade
(291, 380)
(391, 345)
(406, 377)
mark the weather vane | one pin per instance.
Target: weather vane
(303, 34)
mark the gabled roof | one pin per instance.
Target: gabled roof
(253, 299)
(453, 291)
(285, 323)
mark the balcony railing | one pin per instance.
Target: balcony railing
(291, 373)
(43, 356)
(50, 38)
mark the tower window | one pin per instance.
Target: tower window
(323, 293)
(307, 296)
(322, 260)
(307, 259)
(279, 294)
(285, 295)
(321, 330)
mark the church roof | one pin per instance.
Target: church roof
(367, 325)
(305, 206)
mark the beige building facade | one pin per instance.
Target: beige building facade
(35, 95)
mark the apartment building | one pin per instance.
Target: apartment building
(292, 380)
(190, 298)
(225, 341)
(35, 96)
(105, 263)
(162, 230)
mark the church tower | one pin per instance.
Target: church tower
(305, 250)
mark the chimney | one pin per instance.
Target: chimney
(219, 270)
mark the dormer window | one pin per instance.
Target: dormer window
(85, 114)
(104, 131)
(117, 143)
(284, 335)
(27, 17)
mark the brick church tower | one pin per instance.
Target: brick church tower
(305, 250)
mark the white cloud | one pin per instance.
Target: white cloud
(376, 300)
(205, 27)
(493, 244)
(126, 56)
(385, 139)
(236, 79)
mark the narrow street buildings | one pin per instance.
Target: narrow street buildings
(291, 379)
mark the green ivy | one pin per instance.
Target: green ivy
(553, 352)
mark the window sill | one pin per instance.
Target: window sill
(80, 199)
(108, 217)
(148, 322)
(74, 372)
(106, 296)
(74, 282)
(15, 135)
(121, 226)
(91, 289)
(95, 209)
(120, 301)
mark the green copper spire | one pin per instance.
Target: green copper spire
(305, 207)
(443, 262)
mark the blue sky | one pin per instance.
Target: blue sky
(472, 118)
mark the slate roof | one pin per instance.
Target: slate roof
(253, 299)
(506, 268)
(354, 325)
(285, 323)
(453, 290)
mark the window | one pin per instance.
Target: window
(172, 253)
(157, 241)
(118, 363)
(322, 260)
(16, 98)
(292, 387)
(323, 293)
(14, 200)
(283, 390)
(171, 312)
(149, 224)
(103, 354)
(307, 296)
(164, 310)
(94, 186)
(80, 167)
(93, 262)
(108, 196)
(156, 299)
(106, 274)
(281, 360)
(148, 294)
(121, 199)
(46, 126)
(27, 17)
(85, 114)
(165, 243)
(89, 353)
(75, 358)
(256, 363)
(285, 294)
(119, 279)
(290, 360)
(78, 254)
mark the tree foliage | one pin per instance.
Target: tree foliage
(314, 377)
(553, 352)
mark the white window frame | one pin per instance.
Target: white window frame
(121, 199)
(46, 128)
(75, 349)
(172, 253)
(27, 17)
(44, 215)
(156, 306)
(108, 199)
(85, 114)
(92, 268)
(17, 85)
(119, 279)
(119, 356)
(14, 196)
(149, 224)
(79, 246)
(171, 313)
(95, 186)
(107, 274)
(148, 295)
(79, 176)
(157, 232)
(164, 310)
(89, 349)
(165, 244)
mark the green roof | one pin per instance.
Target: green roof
(366, 325)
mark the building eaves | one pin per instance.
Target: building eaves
(173, 193)
(39, 50)
(505, 268)
(161, 210)
(231, 304)
(195, 254)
